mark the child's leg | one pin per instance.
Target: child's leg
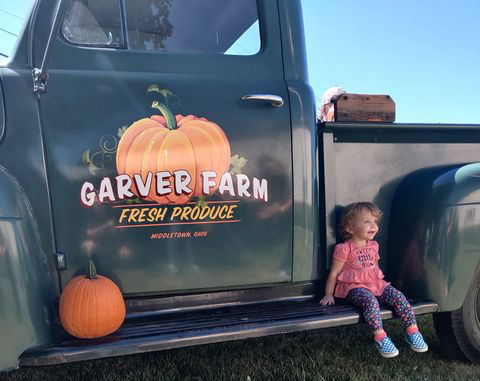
(401, 306)
(404, 312)
(363, 298)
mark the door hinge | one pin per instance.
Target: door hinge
(61, 260)
(39, 81)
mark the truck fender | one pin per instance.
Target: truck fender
(434, 233)
(25, 286)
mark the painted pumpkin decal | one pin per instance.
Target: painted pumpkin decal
(168, 143)
(91, 306)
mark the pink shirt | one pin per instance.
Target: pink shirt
(360, 268)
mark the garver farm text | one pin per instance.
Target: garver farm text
(167, 182)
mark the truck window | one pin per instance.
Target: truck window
(95, 23)
(207, 26)
(187, 26)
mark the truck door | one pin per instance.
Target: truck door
(168, 143)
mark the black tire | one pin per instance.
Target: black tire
(443, 326)
(459, 330)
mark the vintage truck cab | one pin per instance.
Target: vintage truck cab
(176, 145)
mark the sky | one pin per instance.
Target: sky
(12, 16)
(424, 54)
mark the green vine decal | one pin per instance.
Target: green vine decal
(135, 200)
(171, 100)
(236, 164)
(121, 131)
(96, 161)
(201, 203)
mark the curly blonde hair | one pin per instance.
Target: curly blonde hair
(351, 212)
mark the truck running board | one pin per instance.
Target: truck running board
(166, 330)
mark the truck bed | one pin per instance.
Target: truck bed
(368, 161)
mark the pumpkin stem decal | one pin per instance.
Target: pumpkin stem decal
(92, 271)
(171, 121)
(91, 305)
(173, 157)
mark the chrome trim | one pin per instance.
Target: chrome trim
(40, 75)
(275, 100)
(215, 305)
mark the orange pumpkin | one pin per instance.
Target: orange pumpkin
(168, 143)
(91, 306)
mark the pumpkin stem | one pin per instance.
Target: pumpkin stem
(92, 272)
(171, 121)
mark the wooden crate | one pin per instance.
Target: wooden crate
(362, 108)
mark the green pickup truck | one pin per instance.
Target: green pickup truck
(175, 144)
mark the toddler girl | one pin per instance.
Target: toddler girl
(358, 278)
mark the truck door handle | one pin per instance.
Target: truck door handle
(275, 100)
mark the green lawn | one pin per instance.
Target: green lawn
(344, 353)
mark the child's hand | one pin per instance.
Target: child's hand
(326, 300)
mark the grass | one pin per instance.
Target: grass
(344, 353)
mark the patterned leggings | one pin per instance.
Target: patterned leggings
(369, 303)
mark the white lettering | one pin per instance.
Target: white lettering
(87, 194)
(124, 182)
(163, 185)
(260, 189)
(207, 181)
(242, 185)
(143, 188)
(226, 184)
(106, 190)
(182, 179)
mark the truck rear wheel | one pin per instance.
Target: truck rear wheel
(459, 330)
